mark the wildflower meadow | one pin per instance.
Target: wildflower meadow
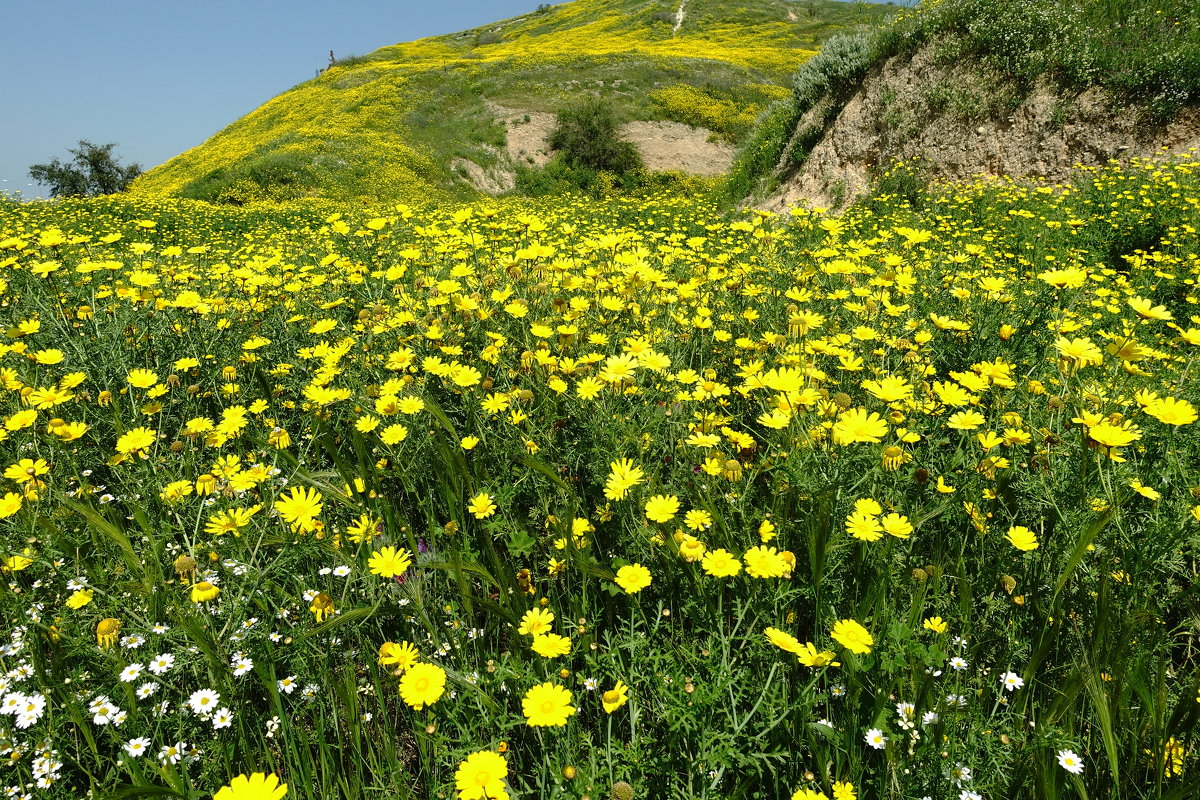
(621, 498)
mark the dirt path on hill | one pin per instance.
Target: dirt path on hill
(664, 146)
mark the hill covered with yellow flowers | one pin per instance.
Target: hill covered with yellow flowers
(442, 116)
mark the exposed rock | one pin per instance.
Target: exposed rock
(528, 134)
(489, 180)
(910, 107)
(673, 146)
(664, 146)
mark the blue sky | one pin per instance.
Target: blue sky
(160, 77)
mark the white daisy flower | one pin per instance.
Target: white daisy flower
(162, 663)
(1068, 760)
(203, 702)
(136, 748)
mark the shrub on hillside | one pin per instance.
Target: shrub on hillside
(839, 65)
(586, 137)
(762, 150)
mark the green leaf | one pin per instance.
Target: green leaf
(356, 615)
(110, 531)
(1081, 547)
(129, 791)
(538, 465)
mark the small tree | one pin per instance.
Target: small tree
(93, 170)
(586, 137)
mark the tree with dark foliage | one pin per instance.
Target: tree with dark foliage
(586, 136)
(92, 171)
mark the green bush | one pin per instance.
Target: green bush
(586, 138)
(838, 66)
(272, 177)
(762, 150)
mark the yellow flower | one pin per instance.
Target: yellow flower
(897, 525)
(142, 378)
(857, 425)
(1146, 309)
(422, 685)
(1022, 538)
(965, 420)
(808, 794)
(106, 632)
(322, 607)
(809, 656)
(136, 440)
(1069, 278)
(300, 507)
(21, 419)
(721, 563)
(481, 506)
(615, 697)
(469, 442)
(481, 776)
(388, 562)
(863, 527)
(547, 705)
(10, 504)
(26, 470)
(783, 640)
(1145, 491)
(204, 591)
(1111, 435)
(1172, 411)
(662, 507)
(935, 624)
(48, 357)
(622, 477)
(17, 563)
(852, 636)
(550, 645)
(257, 786)
(765, 562)
(79, 599)
(633, 578)
(1081, 351)
(536, 621)
(401, 656)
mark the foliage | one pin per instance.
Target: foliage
(706, 109)
(397, 118)
(839, 66)
(1144, 53)
(92, 170)
(761, 152)
(585, 136)
(246, 448)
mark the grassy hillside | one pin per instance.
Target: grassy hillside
(991, 55)
(622, 499)
(389, 124)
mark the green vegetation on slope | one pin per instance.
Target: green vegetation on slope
(663, 503)
(1144, 53)
(389, 124)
